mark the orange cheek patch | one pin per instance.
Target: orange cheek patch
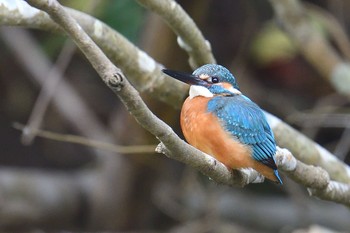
(227, 86)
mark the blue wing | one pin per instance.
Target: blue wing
(246, 122)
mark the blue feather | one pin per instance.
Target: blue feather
(247, 123)
(278, 176)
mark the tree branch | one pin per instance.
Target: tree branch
(171, 144)
(167, 89)
(163, 88)
(189, 38)
(118, 149)
(302, 147)
(223, 175)
(316, 179)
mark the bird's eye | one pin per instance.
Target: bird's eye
(214, 79)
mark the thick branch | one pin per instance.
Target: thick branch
(190, 38)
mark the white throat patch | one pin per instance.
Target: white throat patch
(199, 91)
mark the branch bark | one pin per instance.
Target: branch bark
(316, 179)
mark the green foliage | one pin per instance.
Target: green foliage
(125, 16)
(272, 44)
(52, 43)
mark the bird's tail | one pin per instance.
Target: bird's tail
(279, 180)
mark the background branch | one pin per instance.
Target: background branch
(88, 142)
(334, 28)
(296, 22)
(47, 92)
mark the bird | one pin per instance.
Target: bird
(219, 120)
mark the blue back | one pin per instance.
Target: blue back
(247, 123)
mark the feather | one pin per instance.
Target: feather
(245, 121)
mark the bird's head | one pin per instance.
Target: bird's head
(208, 80)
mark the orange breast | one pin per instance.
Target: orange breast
(204, 131)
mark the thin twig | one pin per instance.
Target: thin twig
(332, 26)
(89, 142)
(46, 93)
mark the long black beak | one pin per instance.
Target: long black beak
(185, 77)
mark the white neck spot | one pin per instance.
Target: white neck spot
(234, 91)
(199, 91)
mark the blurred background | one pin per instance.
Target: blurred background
(47, 185)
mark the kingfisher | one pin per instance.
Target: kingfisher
(219, 120)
